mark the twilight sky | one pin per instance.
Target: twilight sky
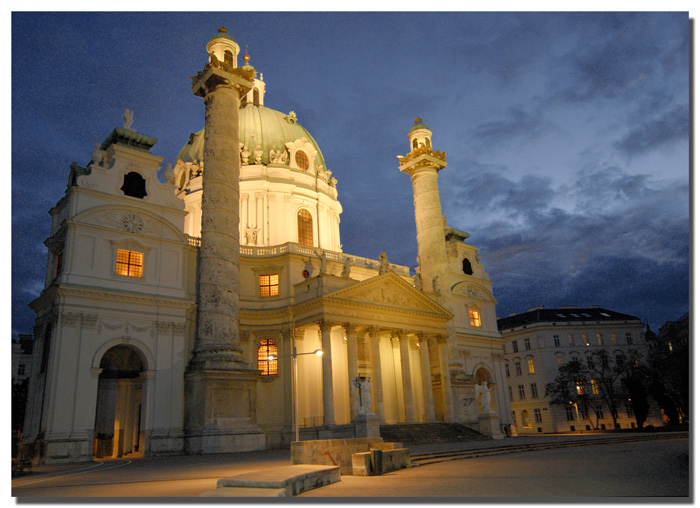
(567, 134)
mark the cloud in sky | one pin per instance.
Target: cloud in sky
(567, 133)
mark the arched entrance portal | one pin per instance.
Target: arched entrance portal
(119, 402)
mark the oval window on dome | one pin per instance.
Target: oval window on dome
(302, 159)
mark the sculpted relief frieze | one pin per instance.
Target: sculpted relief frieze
(124, 327)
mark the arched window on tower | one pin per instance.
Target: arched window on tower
(305, 228)
(134, 185)
(256, 96)
(467, 267)
(228, 57)
(415, 143)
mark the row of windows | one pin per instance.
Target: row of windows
(620, 360)
(571, 341)
(519, 368)
(521, 392)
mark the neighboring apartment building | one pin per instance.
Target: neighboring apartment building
(540, 341)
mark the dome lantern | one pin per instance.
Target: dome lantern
(224, 47)
(420, 135)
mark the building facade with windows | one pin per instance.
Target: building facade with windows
(540, 341)
(117, 320)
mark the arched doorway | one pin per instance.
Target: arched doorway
(119, 404)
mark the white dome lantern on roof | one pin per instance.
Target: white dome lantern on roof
(224, 47)
(420, 135)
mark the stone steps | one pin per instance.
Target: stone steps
(284, 481)
(429, 433)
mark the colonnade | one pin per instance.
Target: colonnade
(408, 372)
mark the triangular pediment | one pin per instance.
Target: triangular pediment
(389, 291)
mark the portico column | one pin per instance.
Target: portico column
(445, 377)
(377, 392)
(406, 377)
(427, 379)
(327, 367)
(353, 372)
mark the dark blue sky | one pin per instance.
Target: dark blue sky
(567, 133)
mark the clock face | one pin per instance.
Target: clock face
(132, 223)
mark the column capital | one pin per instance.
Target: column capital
(325, 326)
(373, 331)
(351, 328)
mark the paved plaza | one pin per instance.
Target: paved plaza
(652, 470)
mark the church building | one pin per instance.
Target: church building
(183, 316)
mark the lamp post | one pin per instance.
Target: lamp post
(295, 392)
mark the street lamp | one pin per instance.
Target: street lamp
(295, 393)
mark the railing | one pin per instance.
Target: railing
(305, 250)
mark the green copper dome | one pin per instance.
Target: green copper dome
(222, 34)
(258, 125)
(418, 124)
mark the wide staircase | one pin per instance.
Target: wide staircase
(429, 433)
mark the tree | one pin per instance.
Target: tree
(605, 379)
(568, 387)
(636, 378)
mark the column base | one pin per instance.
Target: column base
(220, 412)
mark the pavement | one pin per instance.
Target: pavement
(664, 472)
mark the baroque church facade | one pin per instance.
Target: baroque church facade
(154, 339)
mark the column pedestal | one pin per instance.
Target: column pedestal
(490, 425)
(367, 425)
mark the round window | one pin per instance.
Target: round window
(301, 159)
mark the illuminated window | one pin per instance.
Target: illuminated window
(571, 340)
(585, 339)
(531, 366)
(613, 337)
(305, 228)
(594, 387)
(267, 357)
(474, 317)
(301, 159)
(600, 339)
(560, 361)
(518, 369)
(579, 388)
(270, 285)
(129, 263)
(527, 343)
